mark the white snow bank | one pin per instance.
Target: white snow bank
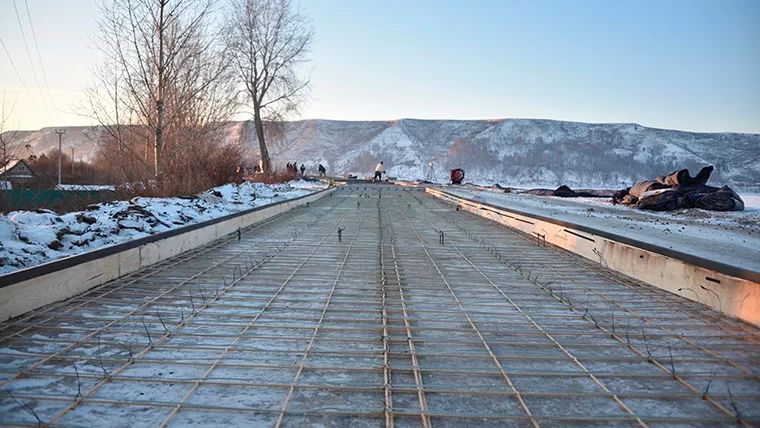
(84, 187)
(751, 201)
(31, 238)
(731, 237)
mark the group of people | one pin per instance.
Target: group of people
(293, 168)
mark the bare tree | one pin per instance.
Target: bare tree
(164, 86)
(8, 150)
(269, 40)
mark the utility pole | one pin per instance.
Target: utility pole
(60, 132)
(72, 163)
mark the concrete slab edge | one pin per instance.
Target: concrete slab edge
(60, 280)
(737, 296)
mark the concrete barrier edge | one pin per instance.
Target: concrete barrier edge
(56, 285)
(737, 297)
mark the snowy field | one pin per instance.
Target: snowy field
(728, 237)
(31, 238)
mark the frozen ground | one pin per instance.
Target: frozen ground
(728, 237)
(31, 238)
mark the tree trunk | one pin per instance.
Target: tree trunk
(158, 147)
(266, 166)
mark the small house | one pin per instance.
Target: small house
(17, 172)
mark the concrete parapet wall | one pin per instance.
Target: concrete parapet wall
(28, 289)
(727, 289)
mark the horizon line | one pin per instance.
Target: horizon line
(500, 119)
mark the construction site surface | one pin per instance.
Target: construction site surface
(378, 306)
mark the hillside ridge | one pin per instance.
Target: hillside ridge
(508, 151)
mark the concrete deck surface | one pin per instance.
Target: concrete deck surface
(378, 307)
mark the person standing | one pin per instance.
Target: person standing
(378, 172)
(303, 170)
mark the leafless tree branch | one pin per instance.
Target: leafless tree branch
(269, 40)
(163, 93)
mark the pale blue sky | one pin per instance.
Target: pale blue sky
(692, 65)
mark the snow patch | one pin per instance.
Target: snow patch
(31, 238)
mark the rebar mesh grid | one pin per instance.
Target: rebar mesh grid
(378, 308)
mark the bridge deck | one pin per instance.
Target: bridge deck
(419, 315)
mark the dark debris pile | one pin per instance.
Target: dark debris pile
(680, 190)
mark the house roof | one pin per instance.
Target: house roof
(12, 164)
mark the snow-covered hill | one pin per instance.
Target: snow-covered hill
(518, 152)
(45, 140)
(512, 152)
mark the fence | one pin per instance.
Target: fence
(57, 200)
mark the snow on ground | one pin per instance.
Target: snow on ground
(728, 237)
(751, 201)
(83, 187)
(31, 238)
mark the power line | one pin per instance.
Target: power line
(42, 65)
(29, 55)
(19, 76)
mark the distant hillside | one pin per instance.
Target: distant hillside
(515, 152)
(512, 152)
(46, 140)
